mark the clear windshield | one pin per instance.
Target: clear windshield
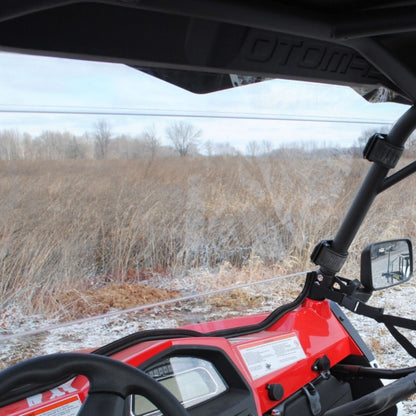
(119, 192)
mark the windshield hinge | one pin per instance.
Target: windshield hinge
(380, 151)
(327, 258)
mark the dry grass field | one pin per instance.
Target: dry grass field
(81, 226)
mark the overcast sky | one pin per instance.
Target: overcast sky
(29, 81)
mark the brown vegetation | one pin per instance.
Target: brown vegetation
(76, 304)
(64, 223)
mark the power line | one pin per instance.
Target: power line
(190, 114)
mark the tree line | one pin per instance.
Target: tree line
(183, 139)
(100, 143)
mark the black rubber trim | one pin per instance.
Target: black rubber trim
(143, 336)
(161, 334)
(345, 322)
(272, 318)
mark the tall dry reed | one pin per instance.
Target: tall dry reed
(75, 223)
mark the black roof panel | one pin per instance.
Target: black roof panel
(205, 46)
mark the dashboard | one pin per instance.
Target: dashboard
(204, 380)
(191, 380)
(259, 373)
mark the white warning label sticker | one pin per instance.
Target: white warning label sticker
(67, 407)
(266, 356)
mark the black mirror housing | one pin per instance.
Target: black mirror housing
(386, 263)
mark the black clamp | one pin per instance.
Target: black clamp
(328, 259)
(380, 151)
(322, 366)
(314, 399)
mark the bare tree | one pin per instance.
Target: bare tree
(151, 140)
(9, 145)
(209, 147)
(51, 145)
(74, 148)
(252, 149)
(225, 149)
(102, 136)
(266, 147)
(184, 137)
(27, 147)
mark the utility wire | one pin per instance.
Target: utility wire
(188, 114)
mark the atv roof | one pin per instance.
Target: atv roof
(208, 45)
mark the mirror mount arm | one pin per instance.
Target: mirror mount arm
(354, 304)
(348, 295)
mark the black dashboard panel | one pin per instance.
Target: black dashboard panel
(204, 379)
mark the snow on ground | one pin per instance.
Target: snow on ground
(396, 301)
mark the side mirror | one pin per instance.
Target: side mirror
(386, 264)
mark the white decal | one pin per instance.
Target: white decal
(62, 389)
(34, 400)
(66, 407)
(267, 356)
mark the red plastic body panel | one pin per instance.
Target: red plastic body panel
(48, 401)
(312, 324)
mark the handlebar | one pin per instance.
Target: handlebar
(379, 400)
